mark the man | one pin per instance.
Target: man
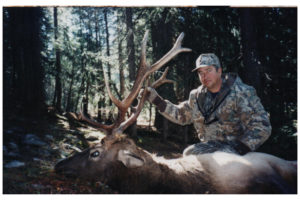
(226, 113)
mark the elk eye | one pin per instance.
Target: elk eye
(95, 154)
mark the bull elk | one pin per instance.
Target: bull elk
(119, 163)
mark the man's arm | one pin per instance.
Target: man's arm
(179, 114)
(254, 118)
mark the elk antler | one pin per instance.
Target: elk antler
(144, 72)
(162, 79)
(138, 108)
(107, 129)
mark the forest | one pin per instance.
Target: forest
(53, 64)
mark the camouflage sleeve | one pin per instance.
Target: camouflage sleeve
(254, 118)
(179, 114)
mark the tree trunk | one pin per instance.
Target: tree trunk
(69, 100)
(249, 48)
(101, 101)
(107, 50)
(162, 42)
(130, 44)
(28, 88)
(85, 108)
(16, 43)
(98, 47)
(131, 57)
(58, 89)
(101, 105)
(122, 78)
(81, 88)
(121, 67)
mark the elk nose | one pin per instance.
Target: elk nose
(58, 167)
(61, 169)
(61, 166)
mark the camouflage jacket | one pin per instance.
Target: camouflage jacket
(234, 114)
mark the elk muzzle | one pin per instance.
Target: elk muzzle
(73, 166)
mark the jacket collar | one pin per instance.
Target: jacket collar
(228, 80)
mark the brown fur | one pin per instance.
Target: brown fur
(143, 172)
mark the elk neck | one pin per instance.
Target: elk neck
(167, 176)
(183, 175)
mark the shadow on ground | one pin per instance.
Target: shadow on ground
(32, 146)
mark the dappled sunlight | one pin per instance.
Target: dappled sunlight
(222, 159)
(181, 165)
(64, 124)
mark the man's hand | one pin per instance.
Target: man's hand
(153, 97)
(152, 94)
(241, 148)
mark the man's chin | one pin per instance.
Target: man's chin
(207, 85)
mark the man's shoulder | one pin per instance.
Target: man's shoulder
(240, 86)
(243, 90)
(196, 90)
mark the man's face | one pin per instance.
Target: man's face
(210, 78)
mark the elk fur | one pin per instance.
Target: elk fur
(217, 172)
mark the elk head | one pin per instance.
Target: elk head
(115, 150)
(101, 160)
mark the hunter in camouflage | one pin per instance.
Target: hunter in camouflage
(226, 113)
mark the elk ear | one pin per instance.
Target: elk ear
(129, 159)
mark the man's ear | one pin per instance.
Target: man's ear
(220, 70)
(129, 159)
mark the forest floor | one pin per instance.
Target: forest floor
(32, 147)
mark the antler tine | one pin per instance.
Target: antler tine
(143, 50)
(162, 79)
(171, 54)
(105, 128)
(134, 116)
(141, 75)
(111, 96)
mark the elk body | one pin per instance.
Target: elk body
(119, 163)
(123, 166)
